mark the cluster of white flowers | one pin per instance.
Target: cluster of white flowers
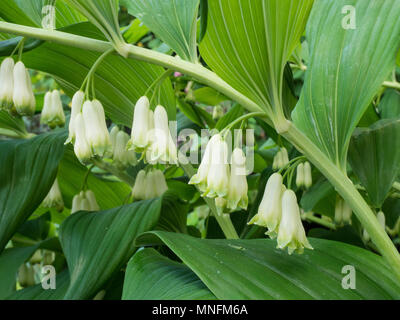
(215, 178)
(343, 212)
(304, 175)
(16, 92)
(52, 112)
(88, 129)
(280, 213)
(122, 158)
(84, 201)
(151, 135)
(149, 185)
(281, 159)
(54, 198)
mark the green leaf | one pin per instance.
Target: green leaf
(14, 124)
(248, 43)
(151, 276)
(235, 112)
(209, 96)
(374, 156)
(135, 31)
(173, 213)
(119, 82)
(255, 269)
(97, 244)
(320, 198)
(390, 104)
(29, 170)
(38, 293)
(174, 22)
(109, 194)
(32, 12)
(346, 69)
(10, 261)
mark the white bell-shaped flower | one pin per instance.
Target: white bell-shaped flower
(23, 97)
(219, 173)
(121, 155)
(270, 209)
(76, 108)
(200, 178)
(237, 195)
(54, 198)
(6, 83)
(97, 134)
(76, 203)
(113, 139)
(91, 198)
(81, 146)
(162, 149)
(382, 222)
(140, 127)
(150, 185)
(338, 211)
(346, 212)
(291, 231)
(161, 184)
(52, 112)
(307, 175)
(300, 175)
(138, 191)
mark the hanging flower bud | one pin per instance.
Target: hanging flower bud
(139, 187)
(270, 209)
(26, 276)
(346, 212)
(93, 206)
(113, 139)
(284, 157)
(160, 183)
(200, 178)
(76, 106)
(54, 198)
(120, 155)
(140, 126)
(76, 203)
(381, 219)
(162, 148)
(218, 174)
(281, 159)
(237, 195)
(52, 113)
(81, 147)
(307, 175)
(6, 83)
(150, 186)
(339, 211)
(218, 112)
(300, 175)
(48, 257)
(382, 222)
(291, 231)
(97, 134)
(23, 97)
(36, 257)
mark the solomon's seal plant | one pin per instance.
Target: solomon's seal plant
(151, 149)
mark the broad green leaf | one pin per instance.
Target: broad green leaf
(14, 124)
(109, 194)
(209, 96)
(390, 104)
(38, 293)
(346, 69)
(374, 156)
(151, 276)
(173, 213)
(29, 170)
(97, 244)
(255, 269)
(33, 12)
(174, 21)
(235, 112)
(248, 44)
(10, 261)
(119, 82)
(135, 31)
